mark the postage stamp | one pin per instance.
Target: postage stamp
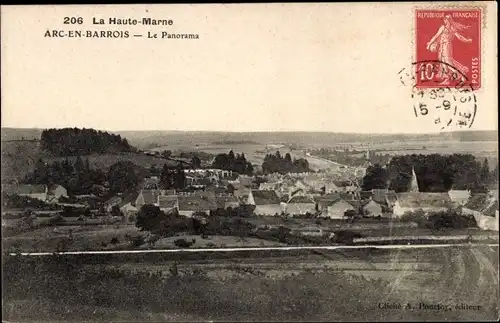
(448, 47)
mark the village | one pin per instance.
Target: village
(321, 201)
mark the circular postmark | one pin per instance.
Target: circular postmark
(441, 93)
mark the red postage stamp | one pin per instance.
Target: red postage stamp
(448, 48)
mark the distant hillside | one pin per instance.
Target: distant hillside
(180, 139)
(20, 134)
(486, 135)
(18, 158)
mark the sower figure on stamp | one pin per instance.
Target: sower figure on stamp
(442, 44)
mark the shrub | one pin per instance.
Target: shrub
(345, 236)
(138, 241)
(58, 219)
(182, 243)
(114, 240)
(452, 219)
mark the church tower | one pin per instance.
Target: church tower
(367, 159)
(414, 182)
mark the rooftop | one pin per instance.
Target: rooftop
(197, 203)
(24, 189)
(424, 199)
(265, 197)
(301, 199)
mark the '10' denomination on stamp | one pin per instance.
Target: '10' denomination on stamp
(448, 48)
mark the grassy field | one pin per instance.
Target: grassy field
(91, 237)
(214, 242)
(477, 148)
(347, 286)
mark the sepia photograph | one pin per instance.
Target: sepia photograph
(244, 162)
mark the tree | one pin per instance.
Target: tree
(87, 165)
(122, 176)
(166, 178)
(67, 167)
(237, 163)
(484, 175)
(494, 175)
(166, 154)
(40, 174)
(115, 211)
(149, 218)
(435, 173)
(196, 162)
(249, 169)
(79, 167)
(180, 177)
(375, 178)
(277, 163)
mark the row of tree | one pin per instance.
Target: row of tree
(236, 163)
(75, 141)
(80, 178)
(279, 164)
(435, 173)
(172, 177)
(77, 177)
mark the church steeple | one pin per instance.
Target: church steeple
(414, 182)
(367, 159)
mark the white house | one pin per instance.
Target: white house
(333, 206)
(460, 197)
(300, 205)
(266, 202)
(338, 209)
(55, 192)
(128, 210)
(427, 202)
(147, 197)
(269, 186)
(114, 201)
(38, 192)
(484, 208)
(372, 208)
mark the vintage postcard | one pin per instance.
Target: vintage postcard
(250, 162)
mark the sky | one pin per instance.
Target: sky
(261, 67)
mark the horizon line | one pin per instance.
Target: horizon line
(255, 131)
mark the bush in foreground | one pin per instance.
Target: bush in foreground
(452, 219)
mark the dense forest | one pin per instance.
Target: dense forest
(74, 141)
(279, 164)
(236, 163)
(435, 173)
